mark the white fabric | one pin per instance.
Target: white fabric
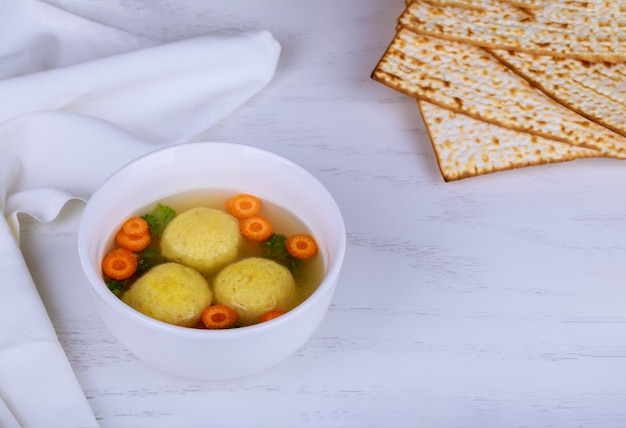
(74, 91)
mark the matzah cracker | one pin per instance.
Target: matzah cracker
(481, 5)
(590, 36)
(471, 4)
(525, 4)
(595, 90)
(466, 147)
(468, 80)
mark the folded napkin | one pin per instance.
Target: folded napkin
(81, 99)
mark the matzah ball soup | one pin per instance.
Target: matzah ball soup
(270, 282)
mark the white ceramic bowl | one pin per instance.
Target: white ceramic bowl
(210, 354)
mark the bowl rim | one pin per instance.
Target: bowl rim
(327, 285)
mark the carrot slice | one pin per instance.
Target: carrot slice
(132, 243)
(256, 228)
(270, 315)
(301, 246)
(243, 205)
(119, 264)
(135, 226)
(218, 316)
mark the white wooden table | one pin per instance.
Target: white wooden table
(497, 301)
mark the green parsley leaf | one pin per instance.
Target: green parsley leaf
(158, 218)
(116, 287)
(275, 248)
(148, 258)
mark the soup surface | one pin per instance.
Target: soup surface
(256, 282)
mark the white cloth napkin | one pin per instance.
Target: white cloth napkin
(74, 92)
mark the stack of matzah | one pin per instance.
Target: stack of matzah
(505, 84)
